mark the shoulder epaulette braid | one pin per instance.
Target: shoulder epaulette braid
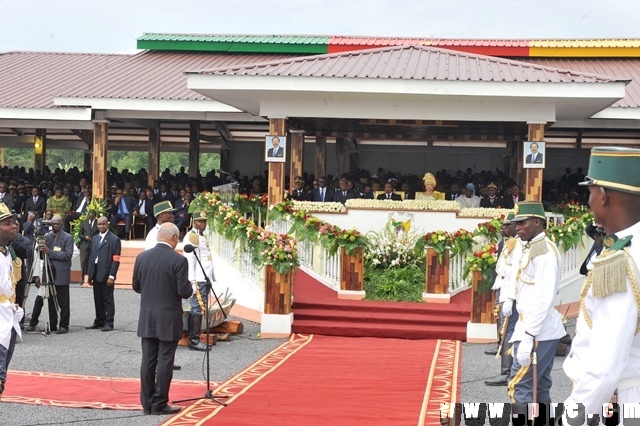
(538, 248)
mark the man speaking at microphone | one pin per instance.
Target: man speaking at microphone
(196, 242)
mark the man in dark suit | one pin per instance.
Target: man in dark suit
(88, 230)
(454, 191)
(535, 157)
(143, 210)
(79, 207)
(408, 193)
(104, 261)
(59, 248)
(122, 210)
(322, 193)
(511, 200)
(299, 193)
(276, 151)
(388, 193)
(344, 193)
(5, 197)
(160, 275)
(36, 203)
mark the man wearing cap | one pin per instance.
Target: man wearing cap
(299, 193)
(163, 212)
(10, 313)
(539, 327)
(469, 199)
(199, 238)
(605, 353)
(492, 200)
(509, 251)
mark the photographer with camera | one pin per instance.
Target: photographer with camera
(57, 246)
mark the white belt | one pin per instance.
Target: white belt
(206, 259)
(629, 383)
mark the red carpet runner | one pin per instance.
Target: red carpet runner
(64, 390)
(321, 380)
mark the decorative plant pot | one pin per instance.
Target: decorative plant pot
(352, 270)
(277, 291)
(482, 302)
(437, 273)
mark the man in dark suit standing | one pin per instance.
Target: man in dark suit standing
(160, 275)
(322, 193)
(59, 247)
(104, 261)
(388, 193)
(88, 230)
(36, 203)
(535, 157)
(344, 193)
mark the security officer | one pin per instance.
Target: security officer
(199, 238)
(605, 353)
(539, 327)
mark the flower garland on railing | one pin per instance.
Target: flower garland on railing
(569, 233)
(484, 212)
(490, 230)
(571, 209)
(319, 207)
(266, 247)
(432, 205)
(484, 261)
(309, 228)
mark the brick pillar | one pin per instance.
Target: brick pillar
(100, 147)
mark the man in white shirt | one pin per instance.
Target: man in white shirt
(469, 199)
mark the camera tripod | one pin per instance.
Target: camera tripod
(47, 288)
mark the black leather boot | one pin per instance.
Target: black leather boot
(505, 369)
(195, 325)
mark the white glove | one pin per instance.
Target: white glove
(507, 308)
(194, 287)
(524, 351)
(19, 313)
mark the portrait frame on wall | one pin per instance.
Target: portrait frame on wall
(535, 158)
(275, 153)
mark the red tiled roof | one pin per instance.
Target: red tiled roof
(413, 63)
(32, 79)
(157, 75)
(628, 69)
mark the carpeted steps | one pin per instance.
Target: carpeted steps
(317, 310)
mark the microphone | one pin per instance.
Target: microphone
(188, 248)
(223, 172)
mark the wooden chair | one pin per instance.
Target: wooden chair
(121, 223)
(139, 222)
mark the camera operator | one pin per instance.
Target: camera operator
(29, 226)
(58, 246)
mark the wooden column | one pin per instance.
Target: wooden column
(482, 302)
(533, 177)
(276, 170)
(224, 158)
(352, 270)
(154, 153)
(100, 146)
(353, 161)
(437, 279)
(297, 156)
(88, 158)
(321, 157)
(277, 292)
(40, 150)
(194, 148)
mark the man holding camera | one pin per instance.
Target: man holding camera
(58, 247)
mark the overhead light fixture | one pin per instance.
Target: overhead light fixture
(37, 145)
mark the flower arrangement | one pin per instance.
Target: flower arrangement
(390, 248)
(278, 250)
(461, 242)
(484, 261)
(439, 241)
(490, 230)
(281, 211)
(484, 212)
(319, 207)
(567, 234)
(432, 205)
(99, 205)
(571, 209)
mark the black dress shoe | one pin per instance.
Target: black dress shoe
(146, 412)
(94, 327)
(166, 410)
(176, 367)
(62, 330)
(501, 380)
(30, 328)
(107, 328)
(491, 351)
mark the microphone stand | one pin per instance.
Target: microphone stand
(208, 393)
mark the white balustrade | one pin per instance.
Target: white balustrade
(248, 269)
(305, 253)
(457, 265)
(227, 250)
(570, 262)
(331, 270)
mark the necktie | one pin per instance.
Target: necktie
(344, 193)
(321, 194)
(388, 196)
(35, 199)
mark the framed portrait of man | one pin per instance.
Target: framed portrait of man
(275, 149)
(534, 155)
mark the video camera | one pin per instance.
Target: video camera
(42, 227)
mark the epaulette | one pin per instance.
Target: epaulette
(193, 238)
(538, 248)
(609, 272)
(511, 244)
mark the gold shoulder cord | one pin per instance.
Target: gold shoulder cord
(603, 290)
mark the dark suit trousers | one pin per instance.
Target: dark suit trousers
(154, 393)
(37, 309)
(105, 306)
(127, 221)
(63, 301)
(84, 262)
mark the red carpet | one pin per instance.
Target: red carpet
(321, 380)
(63, 390)
(317, 310)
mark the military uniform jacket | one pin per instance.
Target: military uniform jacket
(606, 355)
(203, 252)
(507, 269)
(7, 305)
(536, 287)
